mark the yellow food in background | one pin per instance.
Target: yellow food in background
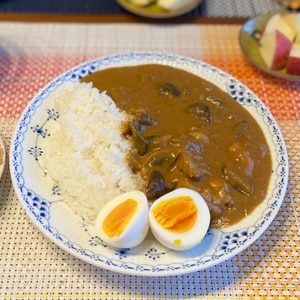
(165, 4)
(142, 2)
(173, 4)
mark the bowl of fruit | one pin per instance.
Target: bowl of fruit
(159, 9)
(271, 42)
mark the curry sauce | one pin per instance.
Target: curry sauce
(189, 133)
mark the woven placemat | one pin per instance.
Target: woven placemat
(32, 267)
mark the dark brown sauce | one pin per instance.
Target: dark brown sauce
(189, 133)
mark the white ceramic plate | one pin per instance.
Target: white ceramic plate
(2, 152)
(249, 43)
(156, 12)
(53, 217)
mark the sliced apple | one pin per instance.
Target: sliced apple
(293, 62)
(293, 20)
(277, 22)
(275, 48)
(173, 4)
(141, 2)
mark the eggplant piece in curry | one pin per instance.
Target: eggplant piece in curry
(189, 133)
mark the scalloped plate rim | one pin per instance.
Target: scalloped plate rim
(236, 236)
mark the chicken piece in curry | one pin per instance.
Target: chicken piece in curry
(189, 133)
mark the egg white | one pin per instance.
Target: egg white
(137, 227)
(194, 235)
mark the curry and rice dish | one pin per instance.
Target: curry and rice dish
(187, 132)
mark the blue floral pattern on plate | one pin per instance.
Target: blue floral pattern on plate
(43, 202)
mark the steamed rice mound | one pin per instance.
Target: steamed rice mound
(85, 153)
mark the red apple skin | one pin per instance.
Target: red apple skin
(293, 63)
(278, 22)
(275, 48)
(283, 47)
(293, 66)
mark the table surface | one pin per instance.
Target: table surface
(32, 267)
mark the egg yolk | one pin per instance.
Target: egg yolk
(117, 220)
(177, 214)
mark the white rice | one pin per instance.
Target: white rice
(86, 153)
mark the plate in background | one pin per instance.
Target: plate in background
(156, 12)
(249, 42)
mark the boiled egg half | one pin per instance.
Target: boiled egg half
(180, 219)
(123, 221)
